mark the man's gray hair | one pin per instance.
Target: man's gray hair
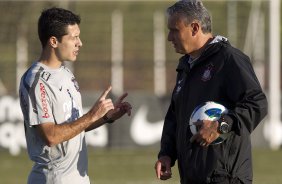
(192, 10)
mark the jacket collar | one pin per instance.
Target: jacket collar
(213, 47)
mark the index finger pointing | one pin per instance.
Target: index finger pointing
(105, 93)
(120, 99)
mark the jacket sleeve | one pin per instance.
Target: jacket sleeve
(168, 140)
(243, 90)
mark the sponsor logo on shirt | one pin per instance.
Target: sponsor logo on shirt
(43, 101)
(75, 84)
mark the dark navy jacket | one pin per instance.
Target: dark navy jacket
(225, 75)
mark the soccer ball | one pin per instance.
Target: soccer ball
(208, 111)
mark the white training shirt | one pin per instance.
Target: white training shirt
(52, 95)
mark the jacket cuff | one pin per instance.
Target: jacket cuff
(172, 163)
(231, 120)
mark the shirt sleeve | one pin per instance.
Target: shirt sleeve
(40, 101)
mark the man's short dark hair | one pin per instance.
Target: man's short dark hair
(53, 22)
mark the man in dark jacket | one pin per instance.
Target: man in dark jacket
(210, 70)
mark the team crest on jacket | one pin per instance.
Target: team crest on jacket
(179, 85)
(207, 72)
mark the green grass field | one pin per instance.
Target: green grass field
(135, 167)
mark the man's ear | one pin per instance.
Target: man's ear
(53, 41)
(195, 28)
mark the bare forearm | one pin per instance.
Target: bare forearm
(54, 134)
(57, 133)
(67, 131)
(95, 125)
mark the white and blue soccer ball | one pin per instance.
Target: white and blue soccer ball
(208, 111)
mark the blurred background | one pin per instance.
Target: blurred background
(124, 45)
